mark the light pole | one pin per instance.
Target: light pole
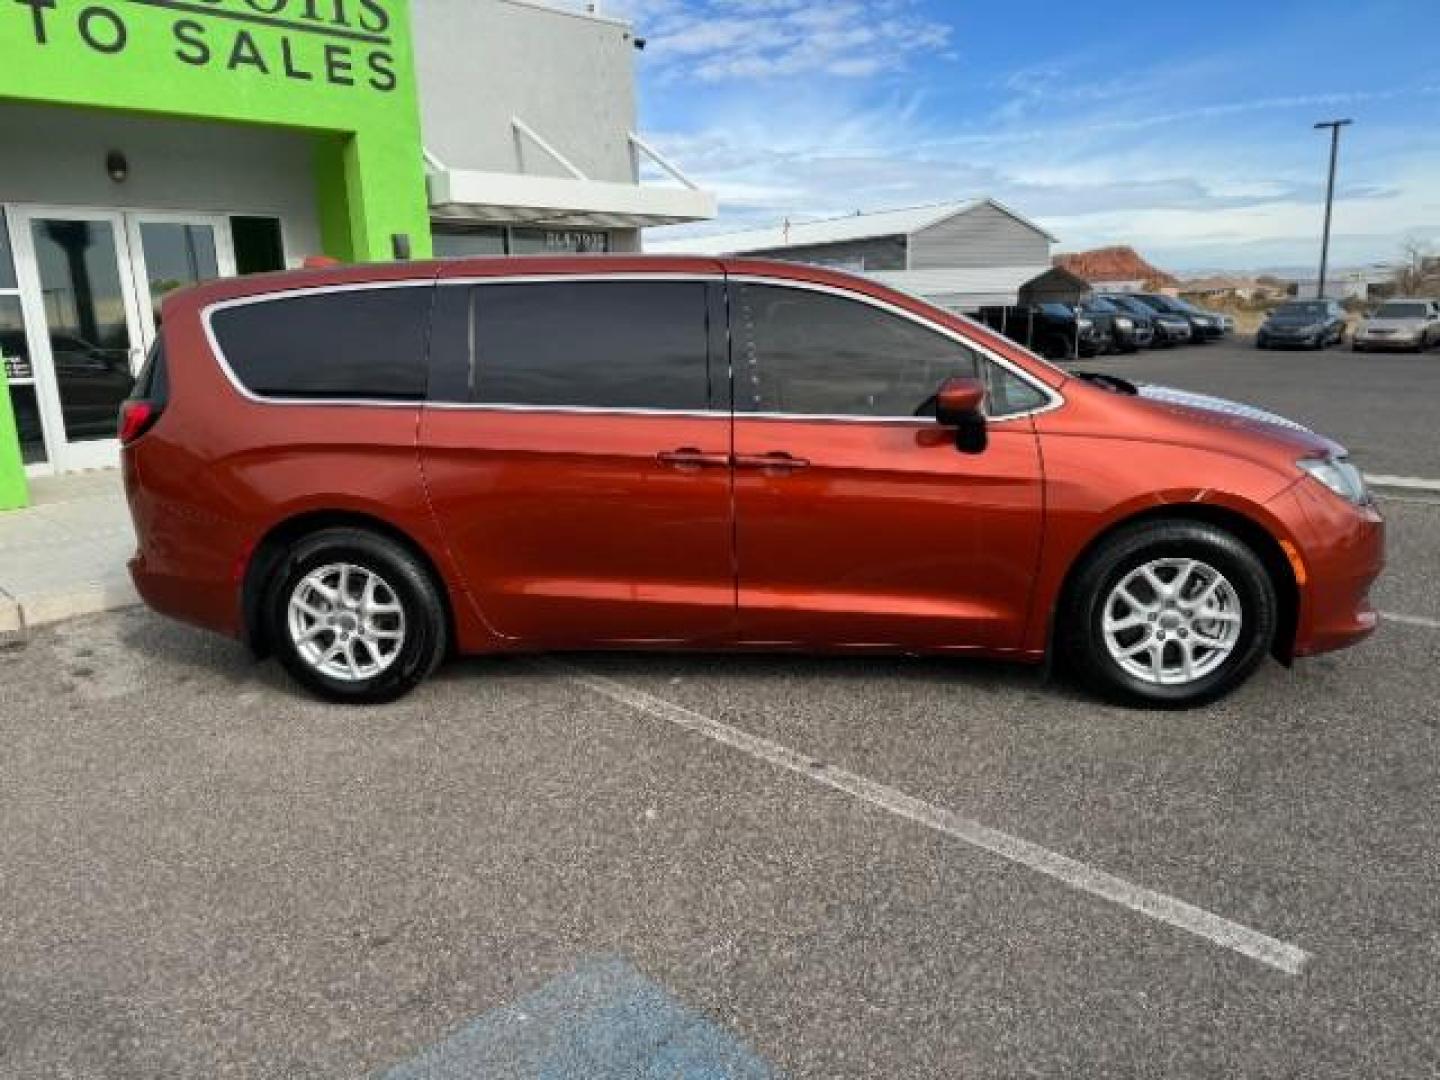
(1334, 126)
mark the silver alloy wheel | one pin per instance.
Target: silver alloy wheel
(1171, 622)
(346, 622)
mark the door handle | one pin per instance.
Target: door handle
(692, 459)
(777, 462)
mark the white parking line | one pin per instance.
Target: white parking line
(1166, 909)
(1411, 620)
(1410, 483)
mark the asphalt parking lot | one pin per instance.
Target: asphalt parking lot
(1380, 405)
(725, 866)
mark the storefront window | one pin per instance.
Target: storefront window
(259, 245)
(15, 355)
(557, 241)
(461, 243)
(7, 264)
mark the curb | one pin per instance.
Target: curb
(19, 616)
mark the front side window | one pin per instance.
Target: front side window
(591, 344)
(343, 344)
(809, 353)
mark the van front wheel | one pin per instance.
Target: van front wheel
(1169, 614)
(354, 617)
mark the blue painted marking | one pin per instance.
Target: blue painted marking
(602, 1021)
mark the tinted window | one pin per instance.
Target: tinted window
(352, 343)
(7, 264)
(1403, 311)
(1057, 311)
(596, 344)
(805, 352)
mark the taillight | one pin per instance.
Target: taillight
(136, 418)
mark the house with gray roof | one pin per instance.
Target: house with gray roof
(960, 255)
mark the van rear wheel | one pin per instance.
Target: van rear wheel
(355, 617)
(1169, 614)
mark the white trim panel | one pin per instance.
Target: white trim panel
(559, 196)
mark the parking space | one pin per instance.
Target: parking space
(745, 863)
(1380, 405)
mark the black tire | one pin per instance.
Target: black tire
(1079, 632)
(425, 626)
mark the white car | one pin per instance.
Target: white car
(1399, 324)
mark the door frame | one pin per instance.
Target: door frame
(63, 455)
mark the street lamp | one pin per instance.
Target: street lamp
(1334, 126)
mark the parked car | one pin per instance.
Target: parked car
(363, 469)
(1051, 329)
(1166, 329)
(1312, 324)
(1126, 332)
(1399, 324)
(1204, 325)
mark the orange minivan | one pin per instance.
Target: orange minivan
(364, 469)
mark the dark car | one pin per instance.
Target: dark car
(1204, 325)
(1128, 332)
(1308, 324)
(1050, 329)
(1165, 329)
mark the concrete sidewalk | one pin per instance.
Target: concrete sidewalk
(65, 554)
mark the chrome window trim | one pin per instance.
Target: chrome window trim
(1054, 399)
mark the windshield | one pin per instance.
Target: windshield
(1156, 303)
(1101, 305)
(1057, 311)
(1176, 304)
(1130, 304)
(1402, 311)
(1300, 311)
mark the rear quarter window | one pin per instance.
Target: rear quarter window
(346, 344)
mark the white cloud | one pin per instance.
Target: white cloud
(722, 40)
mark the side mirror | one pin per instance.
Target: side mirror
(959, 404)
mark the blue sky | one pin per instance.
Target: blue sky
(1182, 129)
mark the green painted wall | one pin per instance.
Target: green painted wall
(14, 492)
(342, 69)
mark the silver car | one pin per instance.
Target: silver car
(1400, 324)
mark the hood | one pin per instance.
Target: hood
(1294, 320)
(1410, 322)
(1235, 415)
(1207, 412)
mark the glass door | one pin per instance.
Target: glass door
(91, 283)
(86, 334)
(170, 251)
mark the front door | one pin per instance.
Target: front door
(857, 521)
(90, 283)
(578, 461)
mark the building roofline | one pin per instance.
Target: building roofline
(588, 16)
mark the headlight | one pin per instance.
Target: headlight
(1124, 324)
(1341, 477)
(1085, 324)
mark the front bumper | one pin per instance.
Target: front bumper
(1342, 552)
(1389, 341)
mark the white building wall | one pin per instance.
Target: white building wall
(567, 75)
(56, 156)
